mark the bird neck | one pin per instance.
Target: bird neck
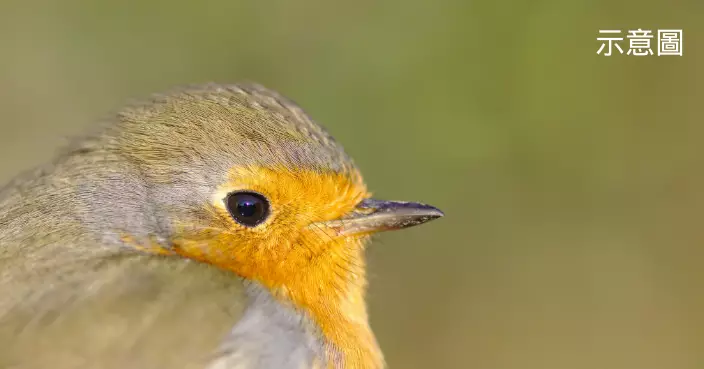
(332, 295)
(324, 283)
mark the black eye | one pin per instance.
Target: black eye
(247, 208)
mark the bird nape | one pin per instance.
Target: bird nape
(214, 226)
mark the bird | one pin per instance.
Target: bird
(213, 226)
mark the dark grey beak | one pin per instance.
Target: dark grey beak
(373, 216)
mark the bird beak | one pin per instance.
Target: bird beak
(372, 216)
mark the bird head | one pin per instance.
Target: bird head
(241, 178)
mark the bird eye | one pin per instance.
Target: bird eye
(247, 208)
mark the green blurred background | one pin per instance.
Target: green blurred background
(573, 183)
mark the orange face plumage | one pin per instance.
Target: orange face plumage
(292, 252)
